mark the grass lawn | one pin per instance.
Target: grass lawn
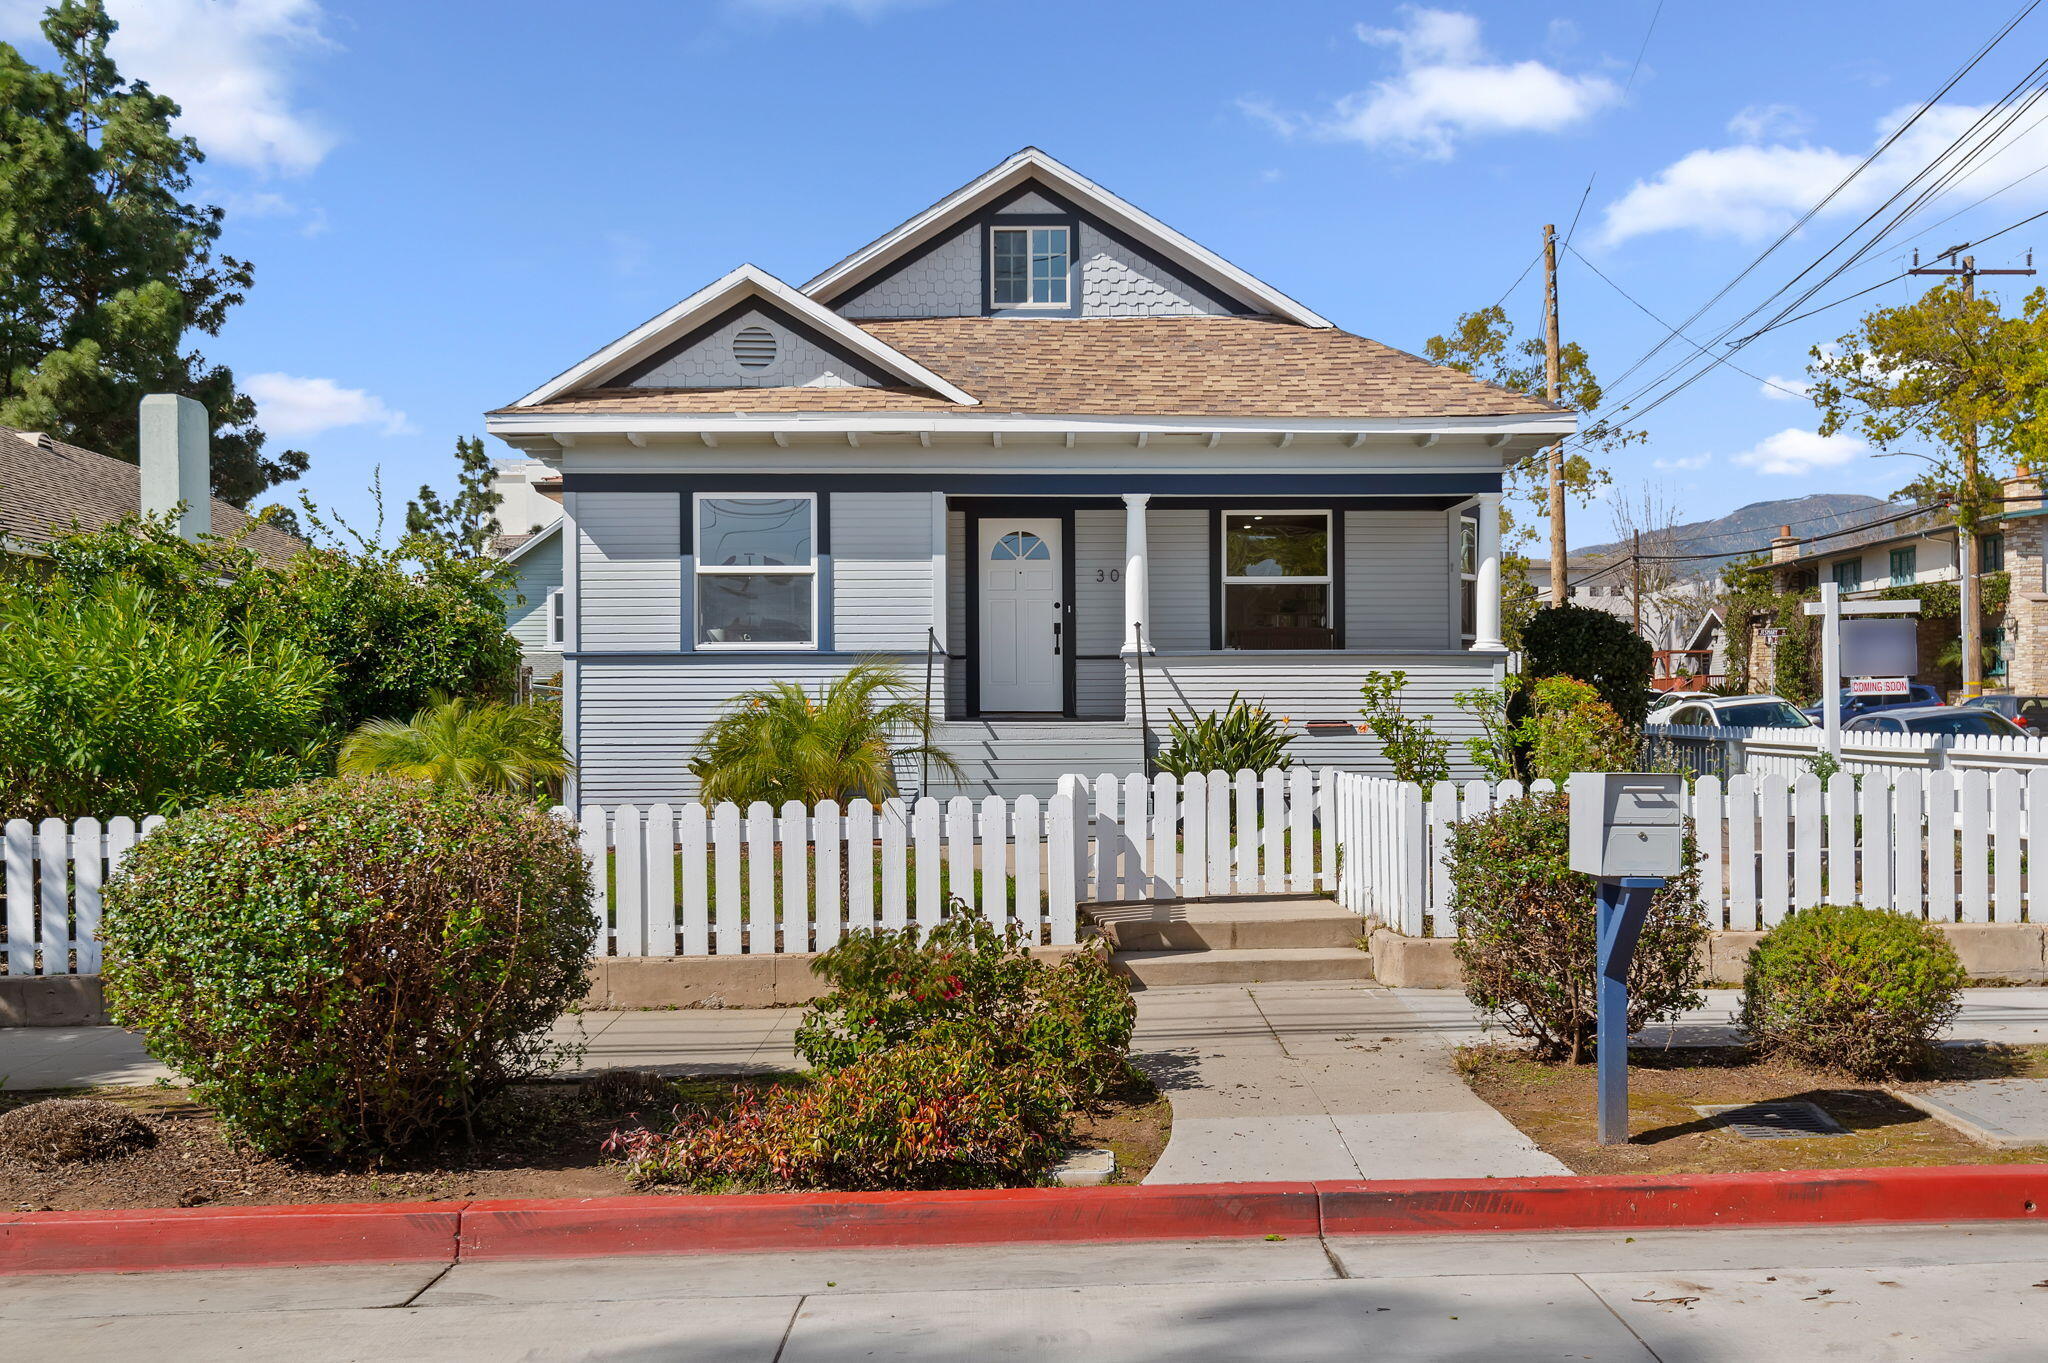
(1553, 1106)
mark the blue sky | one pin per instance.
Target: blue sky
(448, 202)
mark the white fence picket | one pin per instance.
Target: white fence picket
(729, 900)
(1194, 862)
(1774, 878)
(88, 870)
(629, 872)
(861, 872)
(1875, 845)
(895, 820)
(924, 837)
(1841, 802)
(994, 858)
(1938, 799)
(592, 837)
(1245, 832)
(661, 881)
(792, 843)
(1165, 836)
(53, 847)
(1973, 844)
(1742, 915)
(960, 851)
(828, 919)
(2006, 794)
(1028, 829)
(693, 869)
(1708, 830)
(1063, 866)
(1136, 879)
(1273, 828)
(760, 878)
(1908, 818)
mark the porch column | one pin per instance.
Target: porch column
(1137, 594)
(1486, 584)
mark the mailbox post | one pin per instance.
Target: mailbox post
(1628, 833)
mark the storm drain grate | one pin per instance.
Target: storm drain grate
(1773, 1121)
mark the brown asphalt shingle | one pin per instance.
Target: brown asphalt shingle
(44, 491)
(1121, 366)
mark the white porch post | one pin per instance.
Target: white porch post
(1137, 593)
(1486, 586)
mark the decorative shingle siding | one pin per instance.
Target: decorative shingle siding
(944, 282)
(710, 363)
(1117, 282)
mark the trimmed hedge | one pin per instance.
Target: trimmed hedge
(1595, 647)
(350, 967)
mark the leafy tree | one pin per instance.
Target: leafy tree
(112, 704)
(105, 267)
(1483, 344)
(780, 742)
(464, 523)
(488, 746)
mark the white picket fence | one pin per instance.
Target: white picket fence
(53, 873)
(1728, 753)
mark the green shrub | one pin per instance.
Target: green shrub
(840, 742)
(1847, 988)
(109, 704)
(1595, 647)
(350, 967)
(1240, 737)
(1418, 753)
(947, 1110)
(1069, 1020)
(1527, 925)
(1569, 728)
(492, 746)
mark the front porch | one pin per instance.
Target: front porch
(1076, 628)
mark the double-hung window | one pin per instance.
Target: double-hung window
(1028, 267)
(1849, 574)
(1905, 566)
(1991, 553)
(757, 570)
(555, 614)
(1277, 580)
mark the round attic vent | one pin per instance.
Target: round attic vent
(754, 347)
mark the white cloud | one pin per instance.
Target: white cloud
(228, 64)
(1760, 121)
(1796, 451)
(290, 407)
(1697, 461)
(1448, 89)
(1778, 388)
(1754, 189)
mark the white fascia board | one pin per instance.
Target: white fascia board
(543, 422)
(1032, 163)
(546, 532)
(657, 331)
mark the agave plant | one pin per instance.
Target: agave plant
(780, 742)
(1240, 737)
(462, 743)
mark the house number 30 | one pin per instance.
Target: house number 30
(1109, 574)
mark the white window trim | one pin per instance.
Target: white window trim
(1027, 230)
(1464, 523)
(703, 569)
(554, 615)
(1327, 579)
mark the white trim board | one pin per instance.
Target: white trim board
(746, 281)
(1033, 164)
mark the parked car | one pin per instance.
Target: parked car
(1919, 695)
(2029, 712)
(1733, 712)
(1937, 719)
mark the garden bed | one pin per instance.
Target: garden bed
(1554, 1106)
(543, 1142)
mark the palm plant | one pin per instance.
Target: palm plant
(461, 743)
(780, 742)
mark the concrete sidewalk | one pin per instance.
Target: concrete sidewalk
(1877, 1294)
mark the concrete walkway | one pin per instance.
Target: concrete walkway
(1880, 1294)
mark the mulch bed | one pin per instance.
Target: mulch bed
(542, 1141)
(1553, 1105)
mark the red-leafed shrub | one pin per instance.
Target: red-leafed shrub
(940, 1112)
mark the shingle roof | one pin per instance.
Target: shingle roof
(45, 490)
(1121, 366)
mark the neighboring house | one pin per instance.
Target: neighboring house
(1922, 551)
(1035, 444)
(47, 487)
(529, 539)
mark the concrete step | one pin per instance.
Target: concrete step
(1254, 965)
(1227, 924)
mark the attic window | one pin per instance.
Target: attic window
(1028, 267)
(754, 347)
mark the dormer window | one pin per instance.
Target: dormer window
(1028, 267)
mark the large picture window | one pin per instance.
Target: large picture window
(757, 571)
(1028, 267)
(1277, 580)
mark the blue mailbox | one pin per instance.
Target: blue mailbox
(1628, 833)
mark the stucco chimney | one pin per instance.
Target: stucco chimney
(175, 463)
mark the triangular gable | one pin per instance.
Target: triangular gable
(1032, 166)
(643, 349)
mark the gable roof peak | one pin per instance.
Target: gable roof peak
(735, 286)
(1032, 163)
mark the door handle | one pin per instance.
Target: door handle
(1055, 638)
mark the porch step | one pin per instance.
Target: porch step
(1290, 922)
(1253, 965)
(1012, 757)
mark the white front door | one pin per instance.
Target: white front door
(1021, 635)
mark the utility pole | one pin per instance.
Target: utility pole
(1635, 572)
(1967, 504)
(1550, 377)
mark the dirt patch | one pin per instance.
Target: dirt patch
(1553, 1106)
(539, 1141)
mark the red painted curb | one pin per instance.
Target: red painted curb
(248, 1237)
(797, 1221)
(1997, 1192)
(228, 1237)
